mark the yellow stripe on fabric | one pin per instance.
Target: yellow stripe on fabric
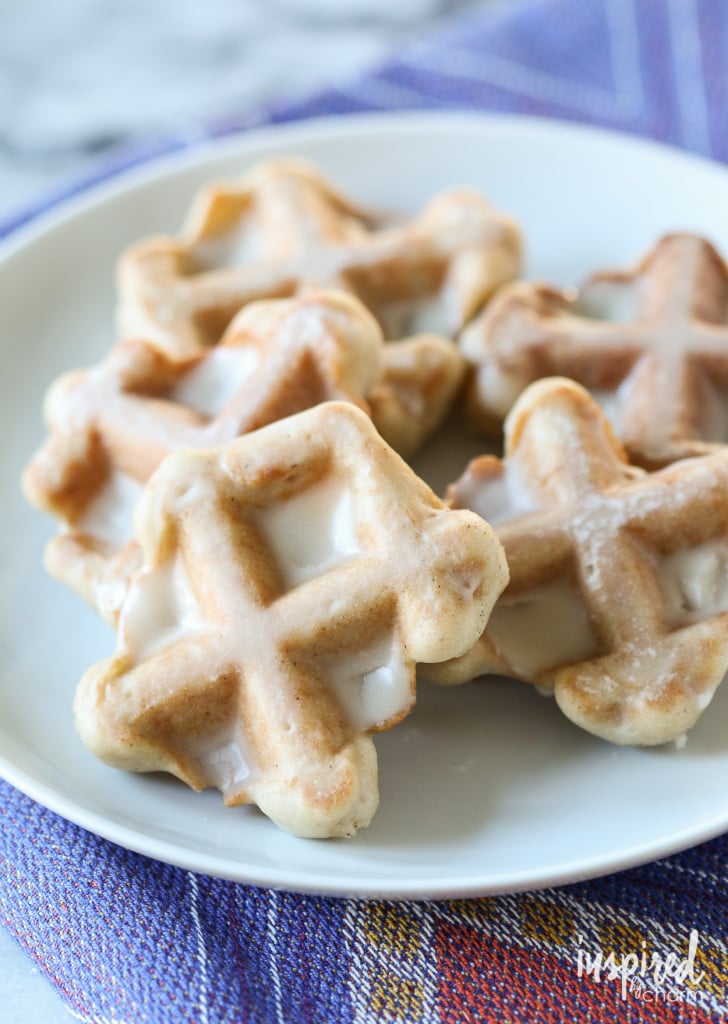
(621, 938)
(480, 911)
(399, 934)
(395, 998)
(395, 992)
(546, 921)
(711, 958)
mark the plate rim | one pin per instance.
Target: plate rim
(349, 887)
(82, 195)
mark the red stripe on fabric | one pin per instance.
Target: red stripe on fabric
(485, 981)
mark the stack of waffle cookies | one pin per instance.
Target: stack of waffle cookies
(233, 497)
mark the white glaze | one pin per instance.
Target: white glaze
(371, 685)
(231, 248)
(160, 610)
(216, 378)
(547, 627)
(611, 404)
(695, 583)
(310, 532)
(108, 518)
(497, 389)
(502, 498)
(427, 315)
(615, 301)
(222, 755)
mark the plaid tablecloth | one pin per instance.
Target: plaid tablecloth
(127, 939)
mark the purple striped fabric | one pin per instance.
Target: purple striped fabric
(127, 939)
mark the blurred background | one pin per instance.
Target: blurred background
(82, 78)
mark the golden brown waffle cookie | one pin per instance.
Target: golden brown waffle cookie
(111, 426)
(283, 227)
(651, 343)
(291, 579)
(420, 379)
(618, 598)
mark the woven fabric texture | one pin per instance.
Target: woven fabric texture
(127, 939)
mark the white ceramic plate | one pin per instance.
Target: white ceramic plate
(485, 788)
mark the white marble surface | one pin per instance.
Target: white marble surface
(80, 77)
(25, 995)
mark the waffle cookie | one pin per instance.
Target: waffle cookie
(283, 228)
(111, 426)
(651, 344)
(618, 594)
(290, 580)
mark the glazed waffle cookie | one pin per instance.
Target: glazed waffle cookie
(290, 580)
(284, 227)
(618, 594)
(651, 343)
(111, 426)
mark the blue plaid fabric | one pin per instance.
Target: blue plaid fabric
(126, 939)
